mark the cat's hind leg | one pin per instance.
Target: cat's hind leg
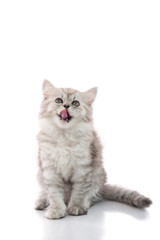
(42, 202)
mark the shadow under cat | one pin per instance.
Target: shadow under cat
(91, 226)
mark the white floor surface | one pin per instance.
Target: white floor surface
(106, 220)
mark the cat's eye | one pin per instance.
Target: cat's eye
(75, 103)
(59, 100)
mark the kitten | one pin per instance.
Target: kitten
(71, 173)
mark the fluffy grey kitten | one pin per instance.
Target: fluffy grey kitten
(71, 173)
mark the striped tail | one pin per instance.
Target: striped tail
(119, 194)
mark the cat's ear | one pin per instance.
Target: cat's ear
(48, 89)
(90, 95)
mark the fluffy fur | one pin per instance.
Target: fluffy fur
(71, 173)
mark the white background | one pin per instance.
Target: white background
(114, 45)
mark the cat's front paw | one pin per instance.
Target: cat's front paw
(55, 213)
(77, 210)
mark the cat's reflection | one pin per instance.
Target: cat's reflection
(92, 226)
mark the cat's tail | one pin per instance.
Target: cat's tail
(119, 194)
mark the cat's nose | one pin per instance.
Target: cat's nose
(66, 106)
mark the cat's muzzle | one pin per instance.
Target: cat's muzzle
(65, 116)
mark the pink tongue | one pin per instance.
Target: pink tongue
(64, 114)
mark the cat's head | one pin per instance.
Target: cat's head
(66, 107)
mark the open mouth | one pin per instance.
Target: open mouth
(65, 116)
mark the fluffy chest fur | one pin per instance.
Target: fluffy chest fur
(66, 152)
